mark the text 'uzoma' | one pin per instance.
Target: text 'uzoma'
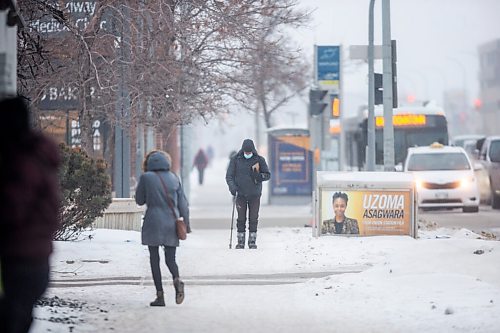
(383, 201)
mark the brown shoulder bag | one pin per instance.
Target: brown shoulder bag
(180, 226)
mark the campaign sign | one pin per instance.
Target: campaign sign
(365, 204)
(365, 212)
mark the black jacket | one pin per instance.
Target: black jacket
(240, 176)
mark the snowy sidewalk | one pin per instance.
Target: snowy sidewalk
(293, 283)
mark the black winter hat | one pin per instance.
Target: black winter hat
(248, 145)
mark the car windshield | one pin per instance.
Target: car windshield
(444, 161)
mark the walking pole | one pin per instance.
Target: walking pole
(232, 223)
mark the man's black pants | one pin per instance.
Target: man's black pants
(253, 205)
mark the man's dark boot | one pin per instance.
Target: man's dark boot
(241, 240)
(252, 237)
(159, 301)
(179, 291)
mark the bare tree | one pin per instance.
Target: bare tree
(162, 63)
(274, 71)
(71, 53)
(212, 48)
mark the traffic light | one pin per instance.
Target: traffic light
(478, 104)
(379, 88)
(316, 103)
(335, 107)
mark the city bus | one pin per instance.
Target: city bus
(413, 126)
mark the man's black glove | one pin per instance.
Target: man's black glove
(256, 176)
(233, 191)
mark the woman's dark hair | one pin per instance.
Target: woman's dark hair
(341, 195)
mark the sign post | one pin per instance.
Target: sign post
(327, 72)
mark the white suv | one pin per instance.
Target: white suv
(444, 177)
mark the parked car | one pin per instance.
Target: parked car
(483, 183)
(469, 142)
(489, 157)
(444, 177)
(460, 140)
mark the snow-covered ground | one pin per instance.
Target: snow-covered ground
(444, 281)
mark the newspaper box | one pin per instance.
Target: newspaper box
(364, 204)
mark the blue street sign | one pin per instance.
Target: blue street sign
(328, 67)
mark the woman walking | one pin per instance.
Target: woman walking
(161, 190)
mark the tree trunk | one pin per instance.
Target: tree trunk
(85, 120)
(171, 146)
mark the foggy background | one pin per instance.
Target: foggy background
(437, 52)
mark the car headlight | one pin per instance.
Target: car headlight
(418, 183)
(466, 182)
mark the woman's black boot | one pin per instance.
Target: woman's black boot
(159, 301)
(179, 290)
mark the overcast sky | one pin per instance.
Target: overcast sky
(437, 50)
(437, 42)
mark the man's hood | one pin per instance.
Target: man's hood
(248, 145)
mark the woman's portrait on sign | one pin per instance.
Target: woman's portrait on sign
(340, 223)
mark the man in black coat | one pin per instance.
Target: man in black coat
(245, 174)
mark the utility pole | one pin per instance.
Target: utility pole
(186, 157)
(370, 152)
(342, 143)
(257, 127)
(140, 143)
(388, 103)
(186, 131)
(122, 138)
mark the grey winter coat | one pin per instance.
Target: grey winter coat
(158, 227)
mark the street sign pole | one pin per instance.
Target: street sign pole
(388, 104)
(370, 152)
(327, 62)
(342, 144)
